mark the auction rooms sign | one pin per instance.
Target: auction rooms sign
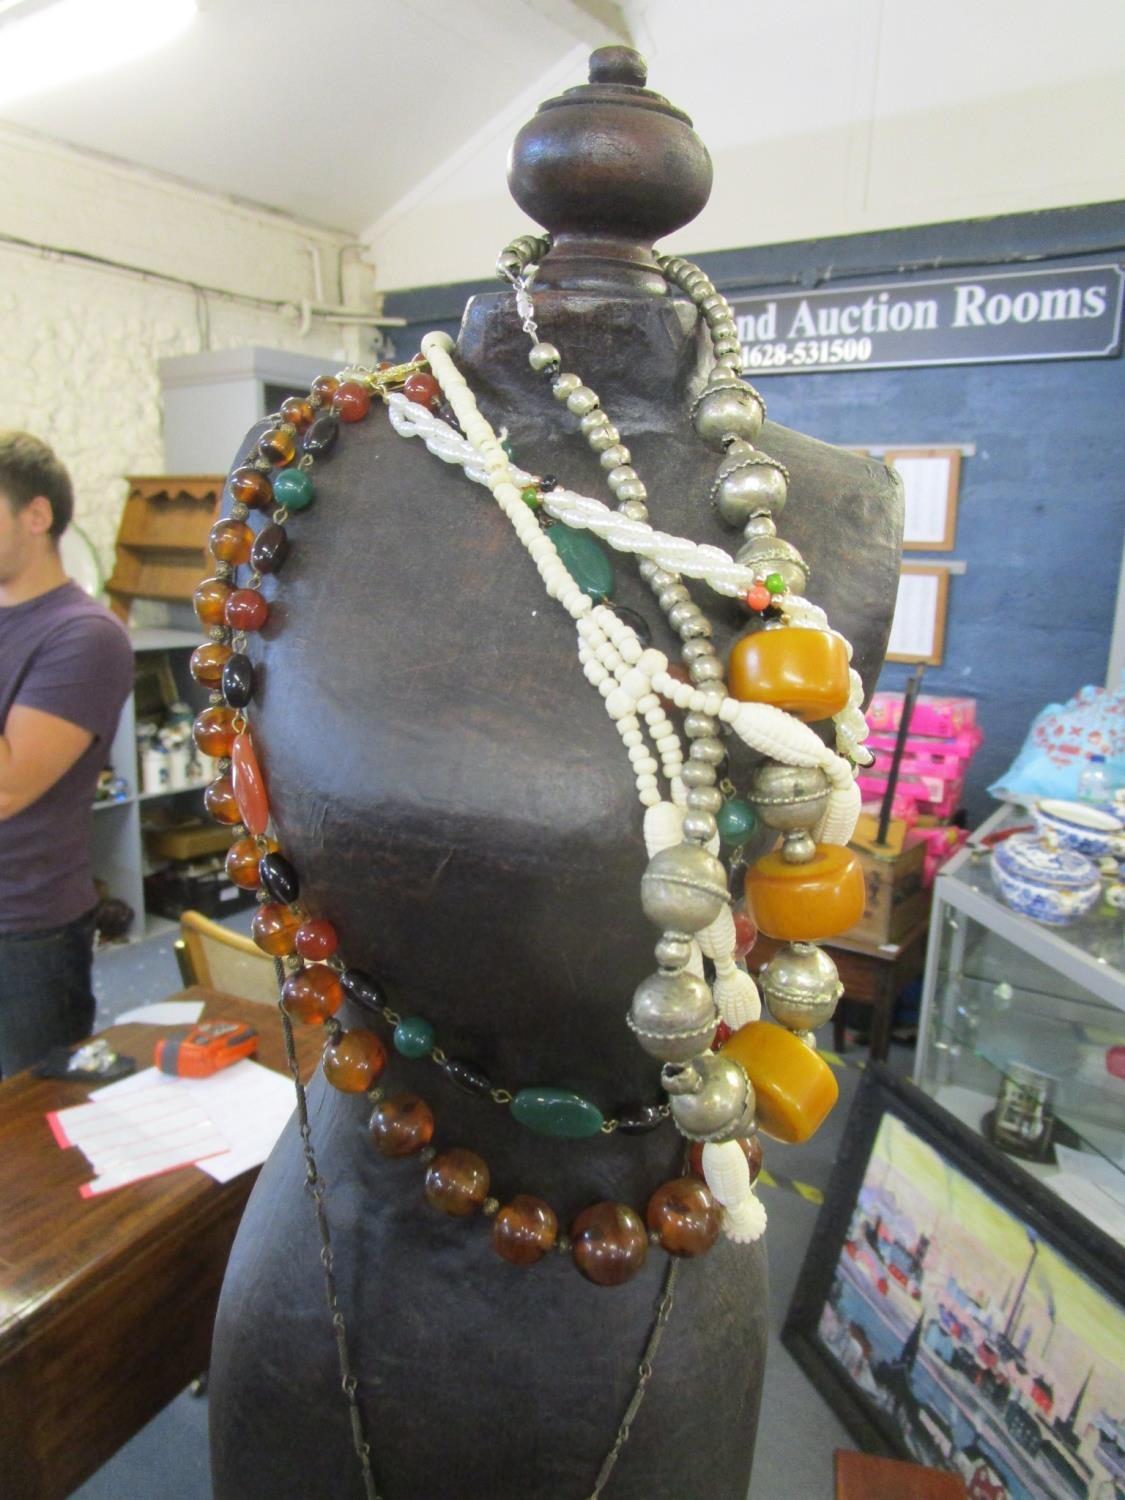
(1070, 313)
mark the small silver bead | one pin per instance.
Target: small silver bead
(700, 827)
(489, 1207)
(698, 726)
(634, 510)
(726, 345)
(703, 798)
(761, 523)
(543, 357)
(673, 950)
(697, 650)
(293, 963)
(675, 593)
(604, 437)
(681, 613)
(695, 628)
(564, 386)
(563, 1244)
(713, 303)
(654, 1237)
(427, 1154)
(711, 751)
(614, 456)
(706, 669)
(661, 579)
(224, 570)
(798, 847)
(592, 421)
(726, 413)
(623, 474)
(700, 774)
(581, 401)
(773, 554)
(631, 489)
(648, 569)
(239, 511)
(218, 633)
(214, 696)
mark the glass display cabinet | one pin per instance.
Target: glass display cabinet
(1022, 1031)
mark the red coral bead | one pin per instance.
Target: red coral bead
(246, 610)
(352, 401)
(745, 932)
(421, 388)
(249, 786)
(758, 597)
(316, 939)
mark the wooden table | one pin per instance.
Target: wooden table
(106, 1303)
(870, 976)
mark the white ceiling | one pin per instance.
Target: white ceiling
(329, 110)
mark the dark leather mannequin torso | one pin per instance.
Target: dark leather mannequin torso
(455, 798)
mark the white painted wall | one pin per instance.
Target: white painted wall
(826, 117)
(79, 344)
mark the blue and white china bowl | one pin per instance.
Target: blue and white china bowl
(1081, 826)
(1053, 886)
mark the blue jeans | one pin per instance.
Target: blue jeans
(45, 995)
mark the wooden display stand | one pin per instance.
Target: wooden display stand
(162, 539)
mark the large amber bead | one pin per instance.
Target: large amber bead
(274, 929)
(230, 541)
(795, 1087)
(354, 1061)
(609, 1243)
(401, 1125)
(457, 1182)
(685, 1215)
(219, 801)
(213, 730)
(242, 864)
(312, 995)
(805, 902)
(249, 486)
(524, 1230)
(207, 663)
(210, 600)
(805, 672)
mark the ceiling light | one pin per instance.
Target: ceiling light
(44, 45)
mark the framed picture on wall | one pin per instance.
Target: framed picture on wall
(955, 1312)
(931, 481)
(918, 625)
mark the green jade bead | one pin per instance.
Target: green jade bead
(774, 581)
(557, 1112)
(737, 820)
(530, 497)
(585, 561)
(293, 488)
(413, 1037)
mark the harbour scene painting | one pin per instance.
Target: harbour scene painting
(988, 1352)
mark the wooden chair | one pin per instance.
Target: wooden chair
(211, 955)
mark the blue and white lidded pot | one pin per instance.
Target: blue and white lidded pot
(1053, 886)
(1089, 829)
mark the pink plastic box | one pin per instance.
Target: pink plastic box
(930, 794)
(943, 717)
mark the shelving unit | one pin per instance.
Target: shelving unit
(118, 845)
(1000, 990)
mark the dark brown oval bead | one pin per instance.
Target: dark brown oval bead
(279, 878)
(638, 1119)
(270, 549)
(321, 436)
(469, 1079)
(362, 989)
(238, 680)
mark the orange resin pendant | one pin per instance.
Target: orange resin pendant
(806, 902)
(795, 1087)
(805, 672)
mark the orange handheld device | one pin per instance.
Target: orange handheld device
(205, 1049)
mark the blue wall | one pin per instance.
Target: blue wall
(1041, 517)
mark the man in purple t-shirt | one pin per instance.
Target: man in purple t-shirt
(66, 667)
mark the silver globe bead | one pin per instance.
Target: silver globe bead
(681, 612)
(726, 412)
(698, 774)
(703, 798)
(748, 485)
(800, 986)
(683, 888)
(699, 726)
(542, 357)
(592, 421)
(675, 593)
(772, 554)
(634, 510)
(706, 669)
(673, 1015)
(788, 797)
(604, 437)
(712, 1099)
(695, 628)
(699, 827)
(614, 456)
(631, 489)
(623, 474)
(564, 386)
(710, 750)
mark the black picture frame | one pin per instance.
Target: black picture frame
(919, 1404)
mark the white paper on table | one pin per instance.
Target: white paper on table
(1106, 1212)
(248, 1102)
(1094, 1169)
(164, 1013)
(139, 1134)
